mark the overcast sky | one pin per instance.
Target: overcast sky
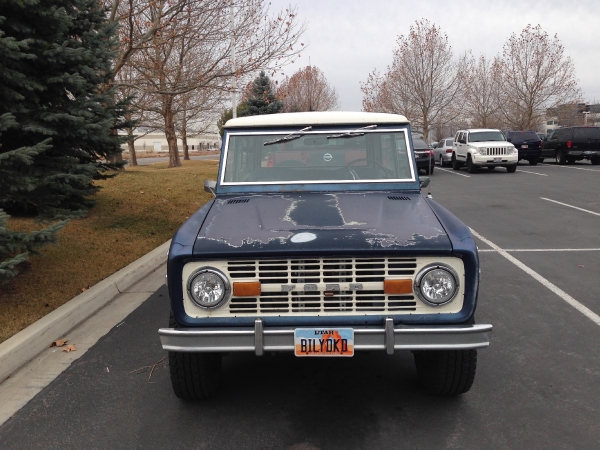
(347, 39)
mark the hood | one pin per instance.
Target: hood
(320, 224)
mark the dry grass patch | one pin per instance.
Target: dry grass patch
(136, 211)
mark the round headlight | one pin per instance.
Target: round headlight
(208, 288)
(436, 284)
(483, 151)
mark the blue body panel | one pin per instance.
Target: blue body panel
(362, 220)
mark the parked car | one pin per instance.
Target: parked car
(570, 144)
(527, 143)
(333, 255)
(423, 155)
(443, 152)
(477, 148)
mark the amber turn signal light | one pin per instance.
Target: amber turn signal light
(246, 288)
(397, 286)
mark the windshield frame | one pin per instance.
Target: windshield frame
(325, 185)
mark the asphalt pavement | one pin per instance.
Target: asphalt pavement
(537, 386)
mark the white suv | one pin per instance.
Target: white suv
(483, 148)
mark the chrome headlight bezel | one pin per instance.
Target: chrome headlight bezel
(226, 287)
(424, 271)
(482, 151)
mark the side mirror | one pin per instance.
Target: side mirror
(424, 182)
(210, 186)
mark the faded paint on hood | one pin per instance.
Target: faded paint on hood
(320, 222)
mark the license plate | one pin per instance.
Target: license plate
(524, 146)
(497, 159)
(324, 342)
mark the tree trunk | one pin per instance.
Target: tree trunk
(186, 154)
(170, 134)
(131, 147)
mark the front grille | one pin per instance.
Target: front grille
(496, 151)
(318, 273)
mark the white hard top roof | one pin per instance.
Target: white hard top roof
(317, 118)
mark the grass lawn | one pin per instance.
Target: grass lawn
(135, 212)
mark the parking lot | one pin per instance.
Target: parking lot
(537, 386)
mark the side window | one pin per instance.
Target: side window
(465, 137)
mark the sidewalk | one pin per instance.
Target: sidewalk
(28, 363)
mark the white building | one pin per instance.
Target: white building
(157, 142)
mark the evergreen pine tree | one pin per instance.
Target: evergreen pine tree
(15, 246)
(261, 98)
(51, 85)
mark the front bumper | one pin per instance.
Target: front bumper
(389, 337)
(503, 160)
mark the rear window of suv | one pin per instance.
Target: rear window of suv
(524, 136)
(586, 133)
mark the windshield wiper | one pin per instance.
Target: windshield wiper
(289, 137)
(353, 133)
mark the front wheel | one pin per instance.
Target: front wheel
(455, 163)
(595, 161)
(533, 161)
(446, 372)
(511, 169)
(194, 376)
(471, 168)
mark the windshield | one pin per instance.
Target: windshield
(485, 136)
(524, 136)
(586, 133)
(317, 157)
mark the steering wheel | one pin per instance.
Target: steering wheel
(378, 165)
(291, 163)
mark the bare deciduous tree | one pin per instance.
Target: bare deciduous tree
(482, 99)
(307, 90)
(423, 81)
(193, 51)
(535, 75)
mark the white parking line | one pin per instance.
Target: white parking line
(454, 172)
(571, 206)
(534, 173)
(568, 167)
(562, 294)
(544, 250)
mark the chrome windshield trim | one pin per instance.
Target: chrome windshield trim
(223, 165)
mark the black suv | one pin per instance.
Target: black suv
(527, 143)
(572, 144)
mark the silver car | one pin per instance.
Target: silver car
(443, 152)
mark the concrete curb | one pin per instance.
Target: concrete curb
(28, 343)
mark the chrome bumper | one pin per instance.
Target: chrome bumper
(390, 337)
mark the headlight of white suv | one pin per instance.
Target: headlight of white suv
(208, 287)
(483, 151)
(436, 284)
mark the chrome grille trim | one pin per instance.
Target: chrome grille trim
(496, 151)
(323, 287)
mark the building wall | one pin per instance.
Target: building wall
(157, 142)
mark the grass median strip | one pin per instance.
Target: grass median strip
(135, 212)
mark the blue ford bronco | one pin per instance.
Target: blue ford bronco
(318, 241)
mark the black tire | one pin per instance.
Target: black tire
(429, 170)
(560, 158)
(446, 372)
(455, 164)
(442, 163)
(595, 161)
(471, 168)
(194, 376)
(540, 159)
(511, 169)
(533, 161)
